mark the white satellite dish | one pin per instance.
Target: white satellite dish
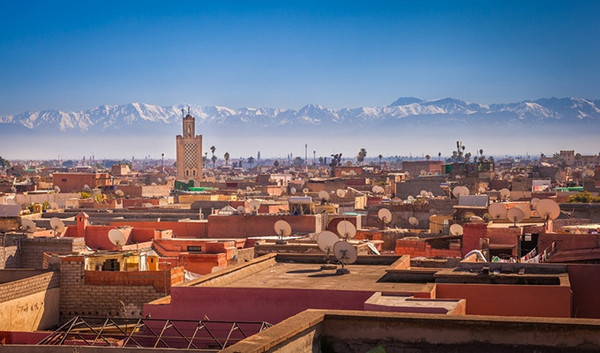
(534, 202)
(504, 193)
(423, 193)
(282, 228)
(430, 194)
(305, 190)
(379, 189)
(323, 195)
(515, 215)
(254, 205)
(54, 205)
(340, 192)
(385, 215)
(460, 191)
(423, 172)
(456, 229)
(57, 189)
(117, 238)
(345, 253)
(293, 190)
(525, 208)
(548, 209)
(497, 211)
(241, 209)
(325, 241)
(346, 229)
(481, 190)
(589, 173)
(57, 225)
(28, 225)
(352, 172)
(239, 191)
(410, 198)
(248, 188)
(414, 221)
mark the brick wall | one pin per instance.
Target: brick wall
(8, 252)
(417, 248)
(20, 288)
(122, 294)
(33, 249)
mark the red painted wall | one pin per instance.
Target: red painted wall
(510, 300)
(586, 290)
(242, 226)
(252, 304)
(182, 229)
(472, 232)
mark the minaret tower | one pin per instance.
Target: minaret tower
(189, 150)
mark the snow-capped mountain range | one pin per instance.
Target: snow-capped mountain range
(406, 110)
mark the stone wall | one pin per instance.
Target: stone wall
(9, 251)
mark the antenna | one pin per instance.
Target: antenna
(117, 238)
(515, 215)
(346, 229)
(282, 229)
(28, 225)
(460, 191)
(340, 192)
(254, 205)
(414, 221)
(241, 209)
(346, 254)
(497, 211)
(548, 209)
(456, 229)
(324, 195)
(385, 216)
(325, 241)
(505, 194)
(525, 208)
(57, 225)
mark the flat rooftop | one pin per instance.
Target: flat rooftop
(310, 276)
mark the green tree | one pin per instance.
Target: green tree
(361, 155)
(298, 162)
(226, 156)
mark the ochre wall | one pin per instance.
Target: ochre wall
(510, 300)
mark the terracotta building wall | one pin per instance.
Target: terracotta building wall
(242, 226)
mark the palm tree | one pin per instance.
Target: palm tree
(251, 161)
(214, 160)
(213, 149)
(226, 156)
(380, 158)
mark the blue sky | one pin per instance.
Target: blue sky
(80, 54)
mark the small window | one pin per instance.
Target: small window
(191, 248)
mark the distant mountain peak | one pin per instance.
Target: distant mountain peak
(405, 101)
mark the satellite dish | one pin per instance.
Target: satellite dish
(54, 205)
(423, 172)
(460, 191)
(28, 225)
(325, 241)
(254, 205)
(410, 198)
(116, 237)
(525, 208)
(119, 193)
(147, 205)
(346, 229)
(241, 209)
(57, 189)
(323, 195)
(305, 190)
(589, 173)
(385, 215)
(414, 221)
(340, 192)
(481, 190)
(548, 209)
(534, 202)
(345, 253)
(282, 228)
(497, 211)
(378, 189)
(423, 193)
(456, 229)
(430, 194)
(515, 215)
(239, 191)
(57, 225)
(504, 193)
(352, 172)
(248, 188)
(293, 190)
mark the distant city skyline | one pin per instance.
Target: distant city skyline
(68, 55)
